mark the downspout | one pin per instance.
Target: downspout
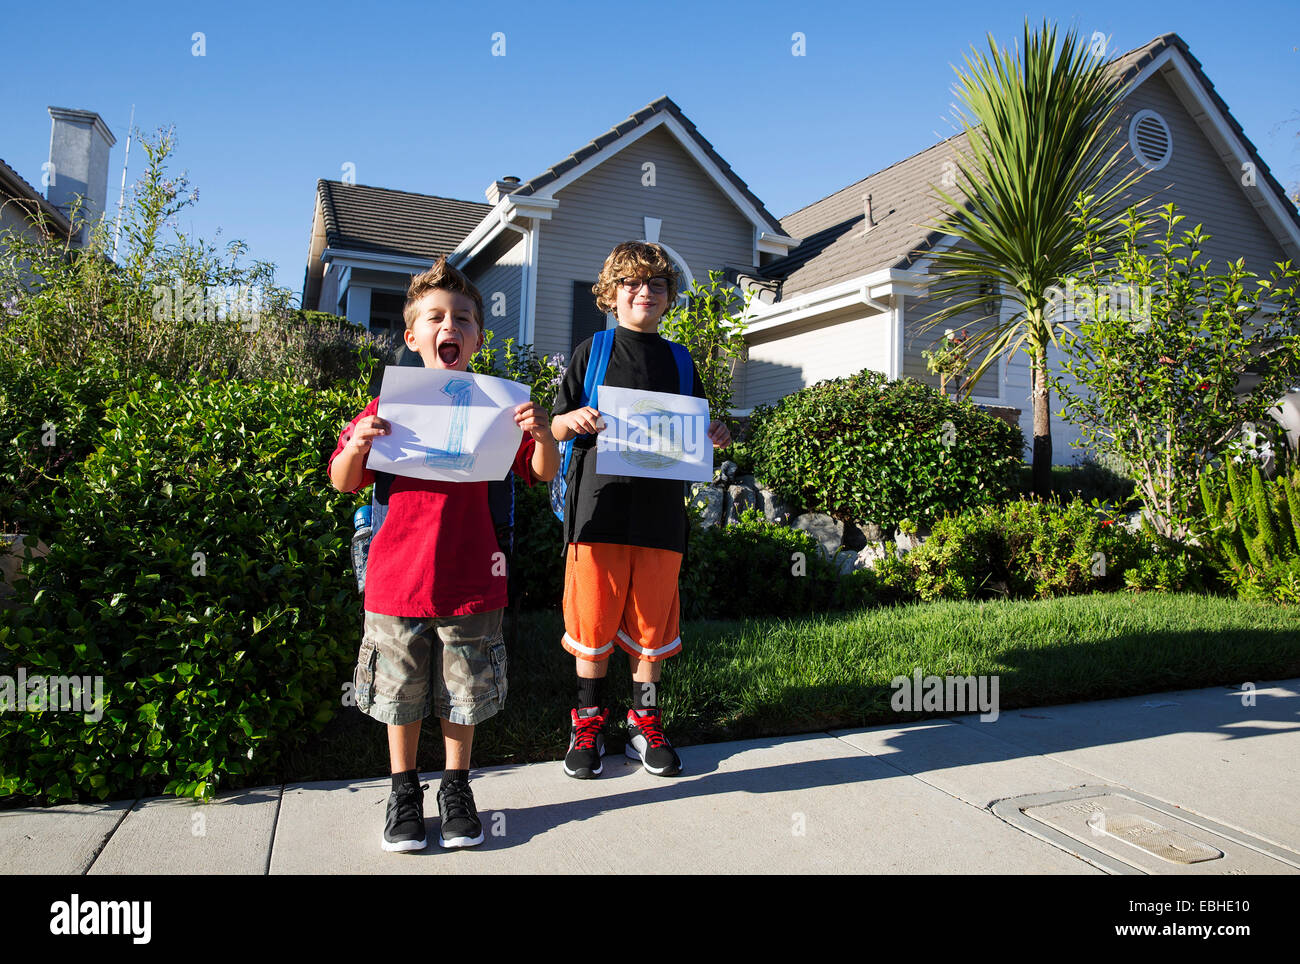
(524, 277)
(864, 295)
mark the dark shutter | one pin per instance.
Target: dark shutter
(587, 318)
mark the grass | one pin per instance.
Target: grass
(773, 677)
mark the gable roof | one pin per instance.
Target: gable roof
(834, 247)
(362, 218)
(664, 105)
(15, 189)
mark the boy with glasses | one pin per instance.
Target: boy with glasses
(624, 536)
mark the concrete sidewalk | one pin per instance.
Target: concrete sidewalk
(1194, 782)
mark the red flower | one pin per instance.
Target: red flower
(1203, 386)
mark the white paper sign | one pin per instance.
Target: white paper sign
(447, 425)
(654, 435)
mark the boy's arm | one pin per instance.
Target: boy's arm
(347, 466)
(545, 461)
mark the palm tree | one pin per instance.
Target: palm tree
(1038, 126)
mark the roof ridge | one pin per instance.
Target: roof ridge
(392, 190)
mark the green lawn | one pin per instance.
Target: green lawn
(737, 680)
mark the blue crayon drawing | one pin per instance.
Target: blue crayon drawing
(452, 457)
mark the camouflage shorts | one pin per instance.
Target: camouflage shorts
(455, 666)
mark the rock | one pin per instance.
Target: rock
(854, 538)
(748, 480)
(710, 501)
(870, 554)
(739, 498)
(774, 508)
(827, 531)
(845, 561)
(727, 470)
(871, 532)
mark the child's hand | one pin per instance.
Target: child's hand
(532, 418)
(585, 421)
(367, 430)
(719, 434)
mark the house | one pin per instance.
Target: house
(80, 142)
(854, 293)
(839, 285)
(536, 248)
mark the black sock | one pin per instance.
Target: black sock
(591, 692)
(645, 696)
(449, 776)
(406, 776)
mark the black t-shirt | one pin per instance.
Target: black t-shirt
(621, 509)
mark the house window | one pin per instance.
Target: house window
(1150, 139)
(587, 318)
(386, 312)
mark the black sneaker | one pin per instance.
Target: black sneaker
(586, 742)
(404, 824)
(460, 824)
(646, 742)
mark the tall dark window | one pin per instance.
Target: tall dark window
(587, 318)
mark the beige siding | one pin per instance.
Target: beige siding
(833, 348)
(1206, 190)
(502, 277)
(607, 205)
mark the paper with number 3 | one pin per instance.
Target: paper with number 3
(446, 425)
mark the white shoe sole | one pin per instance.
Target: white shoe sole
(600, 767)
(402, 846)
(632, 753)
(459, 842)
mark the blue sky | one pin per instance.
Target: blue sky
(411, 94)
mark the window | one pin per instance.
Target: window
(587, 318)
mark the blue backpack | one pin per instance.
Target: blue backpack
(602, 343)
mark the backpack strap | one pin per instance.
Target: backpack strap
(602, 346)
(685, 369)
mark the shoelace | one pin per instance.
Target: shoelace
(458, 801)
(409, 797)
(651, 729)
(587, 730)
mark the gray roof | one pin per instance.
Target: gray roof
(662, 105)
(363, 218)
(15, 187)
(833, 246)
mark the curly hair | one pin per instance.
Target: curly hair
(633, 259)
(444, 276)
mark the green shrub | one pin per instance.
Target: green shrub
(198, 561)
(865, 448)
(754, 568)
(50, 419)
(1250, 531)
(1024, 550)
(537, 567)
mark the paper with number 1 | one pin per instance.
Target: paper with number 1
(447, 425)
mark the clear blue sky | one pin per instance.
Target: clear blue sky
(411, 94)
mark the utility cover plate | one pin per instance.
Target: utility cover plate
(1125, 832)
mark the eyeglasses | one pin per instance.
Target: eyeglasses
(658, 285)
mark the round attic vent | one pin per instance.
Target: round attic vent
(1149, 137)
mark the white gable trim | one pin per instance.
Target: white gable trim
(509, 210)
(688, 143)
(1210, 119)
(344, 257)
(859, 290)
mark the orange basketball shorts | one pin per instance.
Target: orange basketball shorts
(624, 595)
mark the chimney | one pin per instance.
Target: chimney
(499, 189)
(79, 146)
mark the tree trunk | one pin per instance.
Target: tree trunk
(1042, 465)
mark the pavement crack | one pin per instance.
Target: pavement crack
(109, 836)
(275, 829)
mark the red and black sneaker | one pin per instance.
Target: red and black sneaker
(586, 742)
(646, 742)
